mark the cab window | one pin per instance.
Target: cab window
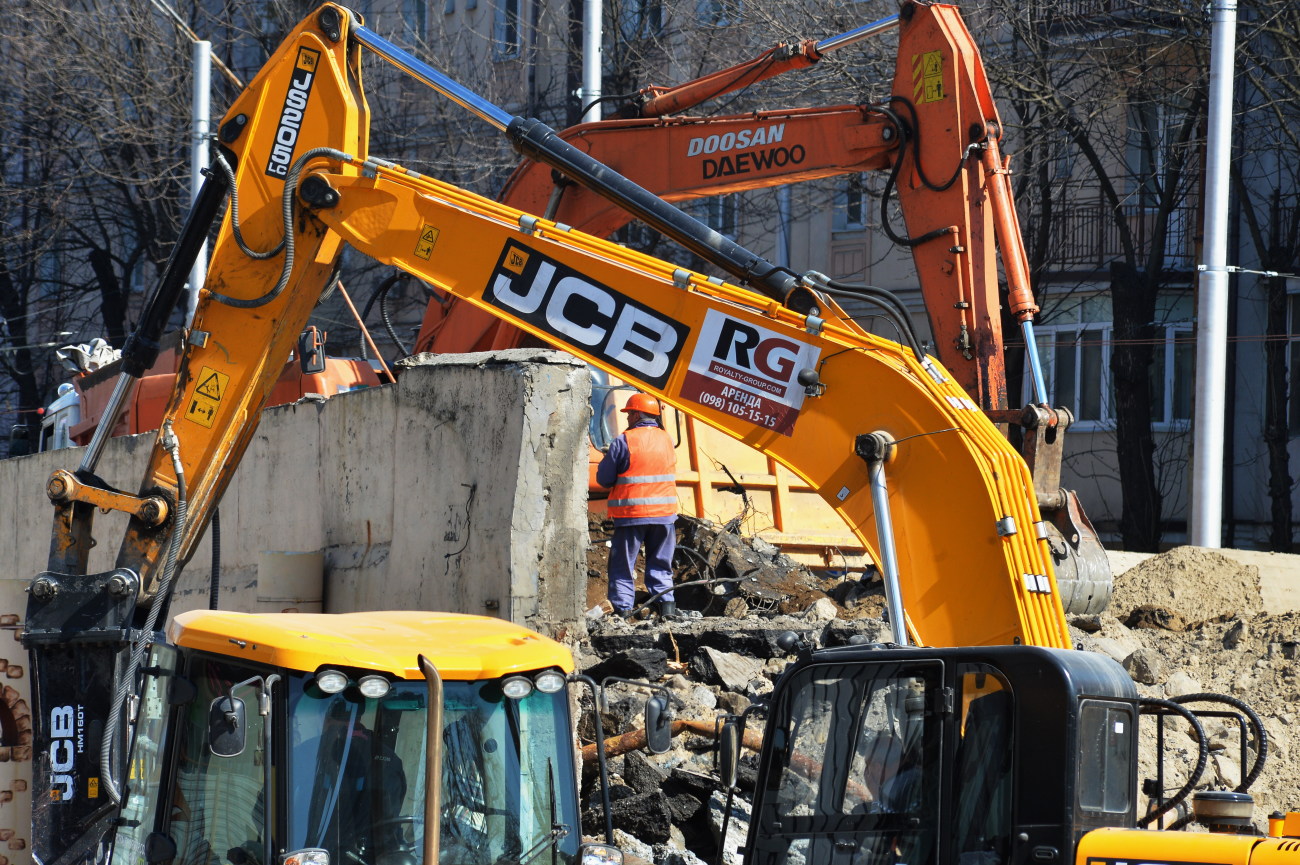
(218, 813)
(1105, 757)
(854, 774)
(982, 783)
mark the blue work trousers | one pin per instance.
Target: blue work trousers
(660, 541)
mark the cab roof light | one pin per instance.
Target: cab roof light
(373, 686)
(549, 681)
(517, 687)
(331, 681)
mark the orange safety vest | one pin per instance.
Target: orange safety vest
(648, 488)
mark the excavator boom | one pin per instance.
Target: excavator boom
(888, 438)
(255, 305)
(961, 498)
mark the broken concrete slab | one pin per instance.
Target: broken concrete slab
(726, 669)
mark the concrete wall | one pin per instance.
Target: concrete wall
(462, 487)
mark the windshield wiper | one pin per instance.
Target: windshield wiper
(546, 842)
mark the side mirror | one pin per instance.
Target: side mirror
(227, 727)
(311, 351)
(728, 751)
(658, 725)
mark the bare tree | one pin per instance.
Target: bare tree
(1266, 179)
(92, 191)
(1111, 100)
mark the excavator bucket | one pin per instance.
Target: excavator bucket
(1083, 574)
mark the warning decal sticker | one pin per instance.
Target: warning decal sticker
(749, 372)
(428, 237)
(927, 77)
(206, 399)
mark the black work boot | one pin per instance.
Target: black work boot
(668, 610)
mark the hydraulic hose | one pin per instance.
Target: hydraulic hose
(537, 141)
(214, 583)
(1202, 757)
(1256, 725)
(126, 676)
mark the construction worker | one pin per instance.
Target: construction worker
(639, 467)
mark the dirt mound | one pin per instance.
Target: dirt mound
(1192, 583)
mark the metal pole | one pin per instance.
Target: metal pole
(1205, 520)
(592, 37)
(201, 53)
(857, 34)
(888, 552)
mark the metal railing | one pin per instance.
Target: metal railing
(1086, 236)
(1079, 15)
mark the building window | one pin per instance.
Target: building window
(851, 204)
(640, 19)
(717, 13)
(505, 29)
(1075, 352)
(720, 214)
(415, 14)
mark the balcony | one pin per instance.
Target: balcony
(1083, 18)
(1085, 237)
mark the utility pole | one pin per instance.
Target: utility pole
(592, 37)
(201, 100)
(1205, 517)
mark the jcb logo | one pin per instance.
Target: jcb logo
(63, 731)
(586, 314)
(744, 346)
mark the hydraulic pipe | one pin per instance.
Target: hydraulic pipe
(857, 34)
(426, 74)
(1015, 264)
(538, 141)
(144, 344)
(888, 551)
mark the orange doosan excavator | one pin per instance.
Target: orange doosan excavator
(401, 737)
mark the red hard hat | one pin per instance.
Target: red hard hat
(643, 403)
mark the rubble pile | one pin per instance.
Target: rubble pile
(1184, 622)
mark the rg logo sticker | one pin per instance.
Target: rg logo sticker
(749, 372)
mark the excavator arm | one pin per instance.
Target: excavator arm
(890, 440)
(874, 425)
(847, 412)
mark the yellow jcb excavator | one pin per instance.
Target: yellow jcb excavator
(389, 738)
